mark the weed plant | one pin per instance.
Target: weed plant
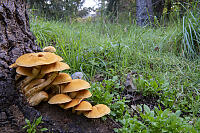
(33, 127)
(113, 50)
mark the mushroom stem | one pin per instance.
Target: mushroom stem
(62, 105)
(61, 88)
(39, 87)
(24, 82)
(54, 88)
(35, 71)
(18, 76)
(73, 94)
(40, 75)
(73, 110)
(79, 112)
(37, 98)
(32, 84)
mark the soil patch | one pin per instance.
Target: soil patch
(11, 120)
(73, 123)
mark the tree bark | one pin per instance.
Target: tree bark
(144, 12)
(16, 39)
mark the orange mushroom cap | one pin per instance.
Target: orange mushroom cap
(76, 85)
(49, 49)
(36, 59)
(59, 99)
(57, 66)
(80, 94)
(98, 111)
(62, 78)
(84, 106)
(72, 103)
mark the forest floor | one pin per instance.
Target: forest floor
(13, 121)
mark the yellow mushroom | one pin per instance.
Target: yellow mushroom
(80, 94)
(36, 59)
(71, 104)
(98, 111)
(49, 49)
(59, 99)
(76, 85)
(82, 107)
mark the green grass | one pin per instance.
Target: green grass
(113, 50)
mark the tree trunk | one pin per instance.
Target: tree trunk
(158, 6)
(15, 40)
(144, 12)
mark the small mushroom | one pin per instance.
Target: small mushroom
(60, 81)
(26, 71)
(57, 66)
(98, 111)
(49, 49)
(71, 104)
(25, 81)
(37, 98)
(62, 78)
(59, 99)
(82, 107)
(76, 85)
(80, 94)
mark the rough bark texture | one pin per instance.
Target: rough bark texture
(15, 40)
(144, 12)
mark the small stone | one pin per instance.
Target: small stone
(77, 75)
(129, 97)
(3, 116)
(129, 86)
(156, 48)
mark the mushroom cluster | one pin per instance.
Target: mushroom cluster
(42, 80)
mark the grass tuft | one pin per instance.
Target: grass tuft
(110, 51)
